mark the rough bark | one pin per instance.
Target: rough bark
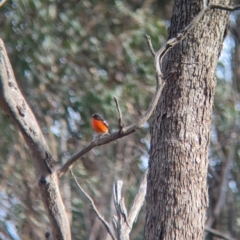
(16, 107)
(176, 189)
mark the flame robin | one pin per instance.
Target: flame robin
(99, 125)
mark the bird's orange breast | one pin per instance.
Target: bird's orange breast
(99, 126)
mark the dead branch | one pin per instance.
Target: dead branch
(123, 222)
(218, 234)
(223, 7)
(125, 131)
(120, 119)
(158, 59)
(223, 186)
(16, 107)
(120, 223)
(149, 42)
(100, 217)
(138, 200)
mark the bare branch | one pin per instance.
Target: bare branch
(223, 7)
(180, 36)
(16, 107)
(119, 201)
(174, 41)
(223, 186)
(100, 217)
(123, 223)
(158, 59)
(120, 119)
(138, 200)
(218, 234)
(149, 42)
(125, 131)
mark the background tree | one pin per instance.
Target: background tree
(70, 59)
(223, 180)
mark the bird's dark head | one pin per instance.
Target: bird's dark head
(97, 116)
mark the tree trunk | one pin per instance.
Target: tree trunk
(16, 107)
(176, 188)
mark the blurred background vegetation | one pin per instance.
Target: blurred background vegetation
(70, 58)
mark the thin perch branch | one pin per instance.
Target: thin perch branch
(158, 59)
(100, 217)
(120, 119)
(149, 42)
(126, 130)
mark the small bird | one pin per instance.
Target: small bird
(99, 125)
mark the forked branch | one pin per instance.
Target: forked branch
(125, 130)
(158, 59)
(123, 222)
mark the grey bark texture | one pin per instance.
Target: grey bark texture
(176, 188)
(16, 107)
